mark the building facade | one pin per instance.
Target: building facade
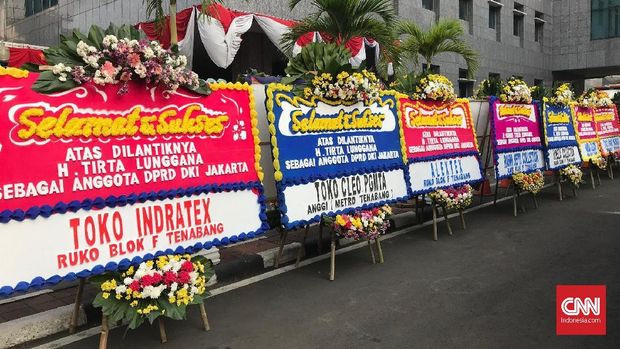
(538, 40)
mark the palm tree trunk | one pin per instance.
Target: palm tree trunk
(174, 39)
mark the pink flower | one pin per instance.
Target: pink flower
(108, 69)
(134, 59)
(126, 76)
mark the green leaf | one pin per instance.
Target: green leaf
(172, 310)
(95, 34)
(49, 83)
(78, 36)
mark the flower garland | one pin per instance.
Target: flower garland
(363, 225)
(600, 162)
(357, 86)
(532, 182)
(13, 72)
(573, 174)
(434, 87)
(515, 91)
(562, 95)
(595, 99)
(160, 287)
(453, 198)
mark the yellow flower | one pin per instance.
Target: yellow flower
(105, 295)
(108, 285)
(133, 304)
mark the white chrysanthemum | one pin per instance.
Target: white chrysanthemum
(109, 40)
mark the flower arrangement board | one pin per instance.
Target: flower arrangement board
(589, 143)
(561, 148)
(92, 180)
(441, 145)
(608, 129)
(516, 138)
(332, 157)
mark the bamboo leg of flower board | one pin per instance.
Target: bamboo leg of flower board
(320, 241)
(372, 253)
(521, 203)
(535, 200)
(514, 203)
(105, 330)
(203, 316)
(559, 184)
(162, 330)
(379, 249)
(283, 234)
(76, 306)
(496, 192)
(302, 248)
(574, 191)
(332, 257)
(463, 225)
(592, 177)
(598, 177)
(445, 216)
(434, 221)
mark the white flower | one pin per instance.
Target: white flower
(148, 53)
(62, 77)
(141, 70)
(108, 40)
(121, 289)
(58, 68)
(127, 281)
(173, 287)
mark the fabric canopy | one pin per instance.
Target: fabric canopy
(19, 56)
(221, 31)
(162, 34)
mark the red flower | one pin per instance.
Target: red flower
(169, 278)
(184, 277)
(187, 266)
(135, 286)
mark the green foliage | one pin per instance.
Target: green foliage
(317, 58)
(407, 83)
(540, 92)
(490, 87)
(446, 36)
(121, 310)
(343, 20)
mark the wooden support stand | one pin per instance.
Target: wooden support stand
(76, 307)
(105, 327)
(435, 207)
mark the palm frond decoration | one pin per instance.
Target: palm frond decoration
(341, 20)
(444, 37)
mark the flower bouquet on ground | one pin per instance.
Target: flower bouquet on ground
(572, 174)
(363, 224)
(164, 286)
(595, 99)
(456, 198)
(600, 162)
(515, 91)
(530, 182)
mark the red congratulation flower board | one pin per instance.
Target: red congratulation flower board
(441, 144)
(91, 180)
(589, 143)
(608, 129)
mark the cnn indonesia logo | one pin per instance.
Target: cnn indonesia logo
(581, 310)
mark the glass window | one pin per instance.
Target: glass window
(493, 14)
(517, 25)
(464, 10)
(428, 4)
(539, 26)
(605, 19)
(35, 6)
